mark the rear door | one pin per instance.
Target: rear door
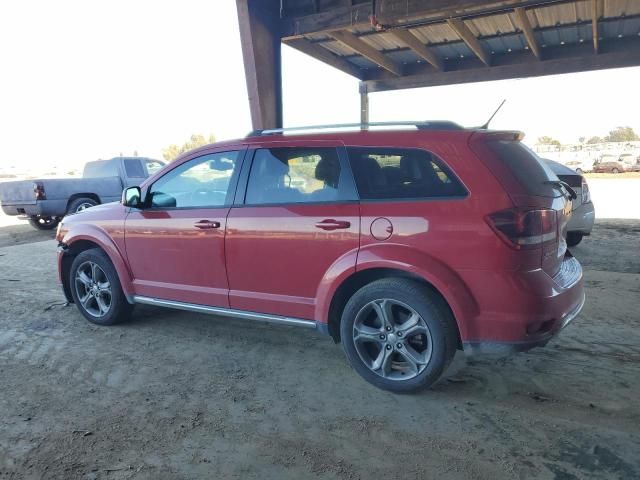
(297, 217)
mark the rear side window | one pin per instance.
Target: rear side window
(531, 172)
(394, 173)
(133, 168)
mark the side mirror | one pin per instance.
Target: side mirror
(131, 197)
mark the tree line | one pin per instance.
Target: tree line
(619, 134)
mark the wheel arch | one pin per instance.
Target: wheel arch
(399, 262)
(76, 196)
(76, 244)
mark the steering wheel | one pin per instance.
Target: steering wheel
(209, 197)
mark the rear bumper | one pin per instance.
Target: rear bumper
(522, 310)
(582, 219)
(508, 348)
(46, 208)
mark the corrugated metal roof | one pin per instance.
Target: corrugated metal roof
(554, 25)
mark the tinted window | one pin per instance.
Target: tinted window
(201, 182)
(296, 175)
(101, 168)
(531, 172)
(133, 168)
(393, 173)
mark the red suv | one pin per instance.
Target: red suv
(403, 245)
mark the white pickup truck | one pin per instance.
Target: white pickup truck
(45, 201)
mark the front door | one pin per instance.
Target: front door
(175, 245)
(298, 217)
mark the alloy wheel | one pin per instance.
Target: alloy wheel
(392, 339)
(93, 289)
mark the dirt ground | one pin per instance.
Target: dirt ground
(173, 395)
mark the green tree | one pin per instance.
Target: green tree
(174, 151)
(622, 134)
(548, 141)
(593, 140)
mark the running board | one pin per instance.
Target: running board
(227, 312)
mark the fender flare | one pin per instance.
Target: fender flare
(400, 257)
(94, 234)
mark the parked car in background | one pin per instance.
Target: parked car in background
(45, 201)
(609, 164)
(403, 245)
(636, 166)
(628, 159)
(580, 166)
(583, 212)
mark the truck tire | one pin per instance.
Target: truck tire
(80, 204)
(398, 334)
(43, 223)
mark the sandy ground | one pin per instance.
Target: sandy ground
(173, 395)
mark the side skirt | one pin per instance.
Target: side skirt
(228, 312)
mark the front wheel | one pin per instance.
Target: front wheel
(43, 223)
(579, 171)
(398, 334)
(574, 238)
(96, 289)
(615, 170)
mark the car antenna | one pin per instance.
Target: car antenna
(486, 124)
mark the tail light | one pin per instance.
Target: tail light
(586, 195)
(525, 228)
(38, 190)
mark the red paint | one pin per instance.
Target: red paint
(291, 259)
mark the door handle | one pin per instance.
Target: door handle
(205, 224)
(331, 224)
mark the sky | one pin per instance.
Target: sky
(88, 79)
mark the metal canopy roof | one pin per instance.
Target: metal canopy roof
(392, 44)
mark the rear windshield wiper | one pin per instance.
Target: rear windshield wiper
(572, 193)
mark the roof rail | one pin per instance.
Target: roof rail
(427, 125)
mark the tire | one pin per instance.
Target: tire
(87, 285)
(431, 340)
(574, 238)
(80, 204)
(579, 171)
(43, 223)
(615, 170)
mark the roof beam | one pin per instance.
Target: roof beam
(324, 55)
(391, 13)
(557, 61)
(596, 12)
(366, 50)
(527, 29)
(419, 48)
(469, 38)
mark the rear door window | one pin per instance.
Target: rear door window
(101, 168)
(133, 168)
(394, 173)
(531, 172)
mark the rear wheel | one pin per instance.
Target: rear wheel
(579, 171)
(96, 289)
(80, 204)
(43, 223)
(574, 238)
(398, 335)
(615, 170)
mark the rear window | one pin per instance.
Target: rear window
(395, 173)
(133, 168)
(531, 172)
